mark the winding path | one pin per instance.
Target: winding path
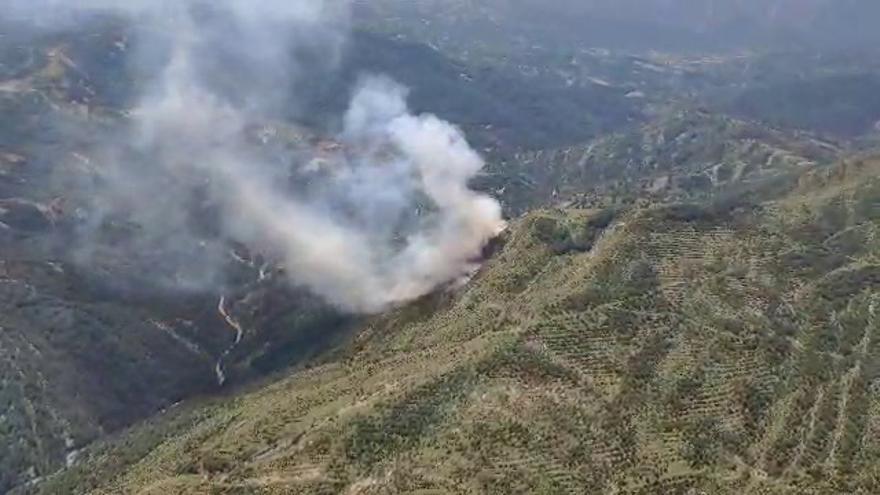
(239, 334)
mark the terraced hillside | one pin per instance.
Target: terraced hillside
(717, 347)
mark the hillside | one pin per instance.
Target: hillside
(103, 325)
(684, 300)
(658, 349)
(681, 154)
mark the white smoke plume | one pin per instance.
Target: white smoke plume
(380, 215)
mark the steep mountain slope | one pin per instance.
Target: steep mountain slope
(717, 347)
(83, 351)
(98, 325)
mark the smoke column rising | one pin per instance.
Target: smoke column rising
(344, 238)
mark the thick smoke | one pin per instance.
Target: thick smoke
(378, 215)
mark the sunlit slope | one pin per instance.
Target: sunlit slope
(728, 349)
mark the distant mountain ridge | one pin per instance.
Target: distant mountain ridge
(646, 24)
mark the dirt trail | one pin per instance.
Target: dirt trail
(239, 334)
